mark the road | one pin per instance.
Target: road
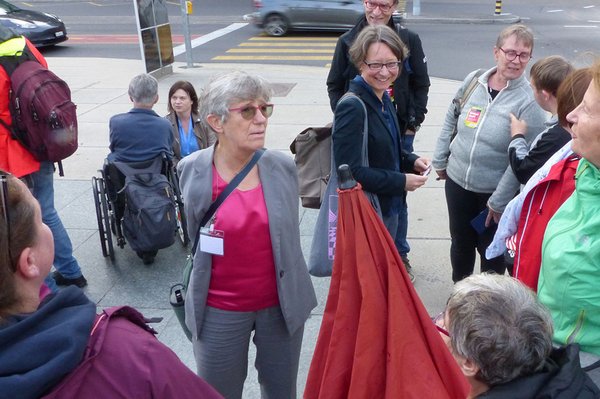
(107, 28)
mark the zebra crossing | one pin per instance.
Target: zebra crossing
(315, 51)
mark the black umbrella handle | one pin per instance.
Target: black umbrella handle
(345, 179)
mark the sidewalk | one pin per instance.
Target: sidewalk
(99, 89)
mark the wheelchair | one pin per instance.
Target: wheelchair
(110, 202)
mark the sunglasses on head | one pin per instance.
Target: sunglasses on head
(249, 111)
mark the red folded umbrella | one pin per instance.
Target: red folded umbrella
(376, 339)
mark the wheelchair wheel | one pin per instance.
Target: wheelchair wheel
(181, 219)
(103, 218)
(181, 223)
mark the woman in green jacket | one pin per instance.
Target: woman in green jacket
(570, 273)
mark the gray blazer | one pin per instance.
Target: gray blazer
(280, 186)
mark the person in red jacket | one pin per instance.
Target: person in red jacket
(542, 201)
(57, 347)
(15, 159)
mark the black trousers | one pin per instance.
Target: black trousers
(463, 206)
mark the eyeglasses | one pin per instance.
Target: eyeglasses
(5, 215)
(511, 55)
(383, 7)
(249, 111)
(438, 321)
(378, 66)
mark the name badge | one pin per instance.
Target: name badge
(473, 117)
(211, 241)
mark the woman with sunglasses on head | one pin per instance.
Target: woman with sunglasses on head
(472, 150)
(249, 277)
(188, 135)
(377, 53)
(57, 347)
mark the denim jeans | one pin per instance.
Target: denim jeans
(402, 231)
(400, 240)
(43, 190)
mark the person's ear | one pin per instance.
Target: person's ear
(215, 122)
(155, 100)
(546, 95)
(26, 264)
(468, 367)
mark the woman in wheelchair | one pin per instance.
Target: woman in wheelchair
(188, 135)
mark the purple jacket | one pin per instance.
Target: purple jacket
(123, 359)
(64, 350)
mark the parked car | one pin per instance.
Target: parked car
(41, 28)
(278, 17)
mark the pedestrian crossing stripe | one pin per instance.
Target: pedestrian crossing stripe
(286, 44)
(280, 50)
(271, 58)
(295, 39)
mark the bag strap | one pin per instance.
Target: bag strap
(225, 193)
(459, 102)
(365, 136)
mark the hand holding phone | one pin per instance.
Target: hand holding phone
(427, 171)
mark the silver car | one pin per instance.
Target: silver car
(277, 17)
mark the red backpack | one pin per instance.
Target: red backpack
(44, 119)
(43, 115)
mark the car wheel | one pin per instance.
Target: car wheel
(276, 25)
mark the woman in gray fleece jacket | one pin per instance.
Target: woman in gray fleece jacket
(475, 162)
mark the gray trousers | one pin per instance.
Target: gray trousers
(221, 352)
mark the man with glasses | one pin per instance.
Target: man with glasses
(39, 176)
(409, 92)
(479, 181)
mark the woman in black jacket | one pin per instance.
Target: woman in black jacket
(378, 54)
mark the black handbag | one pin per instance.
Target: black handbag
(177, 294)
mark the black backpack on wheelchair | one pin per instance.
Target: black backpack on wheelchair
(139, 202)
(149, 219)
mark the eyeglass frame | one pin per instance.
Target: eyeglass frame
(517, 55)
(383, 7)
(373, 65)
(264, 110)
(440, 318)
(5, 214)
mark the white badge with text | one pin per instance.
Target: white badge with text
(211, 241)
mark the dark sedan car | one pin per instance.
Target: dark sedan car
(277, 17)
(41, 28)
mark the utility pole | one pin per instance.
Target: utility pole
(186, 9)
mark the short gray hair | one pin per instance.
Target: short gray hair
(498, 323)
(522, 32)
(228, 88)
(143, 89)
(376, 34)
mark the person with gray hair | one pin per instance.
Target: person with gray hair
(258, 285)
(501, 338)
(140, 134)
(377, 54)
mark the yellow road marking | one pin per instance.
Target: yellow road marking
(287, 44)
(270, 58)
(279, 50)
(293, 39)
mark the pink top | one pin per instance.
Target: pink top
(243, 279)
